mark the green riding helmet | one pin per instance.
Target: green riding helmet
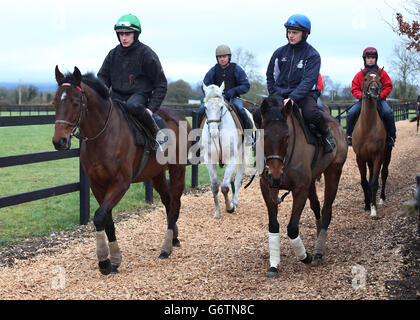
(128, 23)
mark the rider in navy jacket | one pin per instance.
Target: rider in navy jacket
(293, 74)
(293, 71)
(241, 86)
(235, 80)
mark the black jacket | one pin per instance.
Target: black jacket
(293, 71)
(135, 69)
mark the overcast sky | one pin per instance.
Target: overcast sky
(36, 36)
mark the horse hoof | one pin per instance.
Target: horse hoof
(115, 269)
(176, 243)
(231, 211)
(105, 267)
(308, 259)
(318, 258)
(164, 255)
(272, 273)
(367, 208)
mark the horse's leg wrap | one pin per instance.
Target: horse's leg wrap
(274, 248)
(167, 243)
(115, 253)
(320, 245)
(298, 248)
(102, 249)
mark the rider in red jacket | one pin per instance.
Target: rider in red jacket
(370, 57)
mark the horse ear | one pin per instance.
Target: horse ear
(287, 110)
(205, 88)
(265, 107)
(77, 75)
(58, 75)
(222, 86)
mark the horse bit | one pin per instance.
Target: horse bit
(76, 125)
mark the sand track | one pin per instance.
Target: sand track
(228, 258)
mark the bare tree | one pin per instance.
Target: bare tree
(404, 71)
(409, 32)
(247, 61)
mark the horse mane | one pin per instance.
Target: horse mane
(272, 109)
(96, 84)
(89, 79)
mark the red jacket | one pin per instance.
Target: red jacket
(320, 83)
(357, 85)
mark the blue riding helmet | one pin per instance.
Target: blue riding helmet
(298, 22)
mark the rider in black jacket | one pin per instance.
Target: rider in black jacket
(133, 72)
(293, 74)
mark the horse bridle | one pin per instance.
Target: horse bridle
(76, 126)
(366, 91)
(221, 114)
(285, 162)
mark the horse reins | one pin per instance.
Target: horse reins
(83, 107)
(218, 121)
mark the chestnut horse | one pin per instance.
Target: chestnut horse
(369, 142)
(111, 159)
(288, 166)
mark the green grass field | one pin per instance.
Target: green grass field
(55, 214)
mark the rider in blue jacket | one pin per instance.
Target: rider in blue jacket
(235, 79)
(293, 74)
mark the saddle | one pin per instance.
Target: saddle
(311, 133)
(233, 109)
(142, 136)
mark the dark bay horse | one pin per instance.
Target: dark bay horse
(288, 159)
(110, 158)
(369, 142)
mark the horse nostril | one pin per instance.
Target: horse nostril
(62, 144)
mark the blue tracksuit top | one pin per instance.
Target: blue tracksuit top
(293, 71)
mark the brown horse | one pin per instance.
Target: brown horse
(369, 142)
(288, 159)
(111, 158)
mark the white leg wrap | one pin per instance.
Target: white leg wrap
(102, 249)
(115, 252)
(298, 248)
(274, 247)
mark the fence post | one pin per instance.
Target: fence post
(194, 167)
(149, 191)
(84, 195)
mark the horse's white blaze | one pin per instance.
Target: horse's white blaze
(298, 248)
(274, 248)
(63, 96)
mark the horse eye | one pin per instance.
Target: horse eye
(75, 104)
